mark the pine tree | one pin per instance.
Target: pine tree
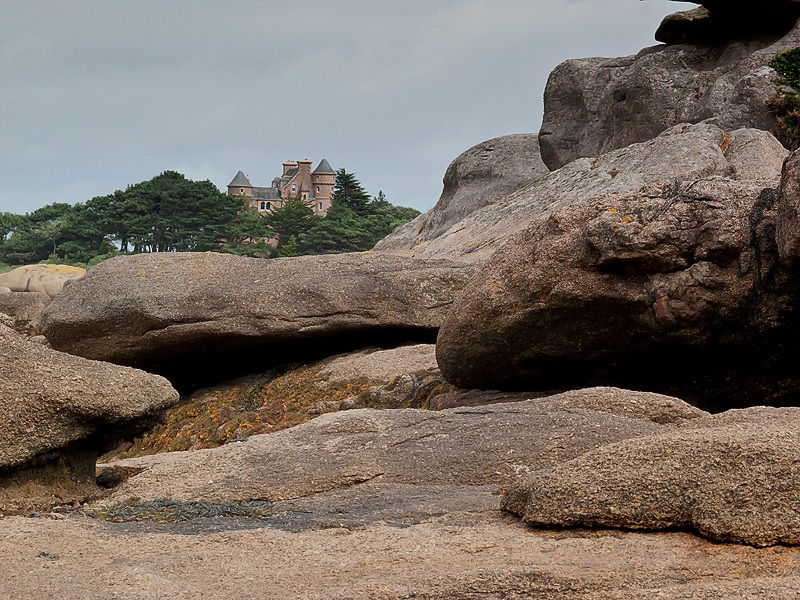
(290, 220)
(349, 192)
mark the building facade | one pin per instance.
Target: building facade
(315, 188)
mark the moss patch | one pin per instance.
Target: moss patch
(170, 511)
(254, 405)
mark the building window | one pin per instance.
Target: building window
(241, 190)
(269, 206)
(318, 189)
(294, 188)
(305, 196)
(320, 205)
(263, 206)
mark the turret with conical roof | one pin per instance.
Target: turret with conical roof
(323, 179)
(240, 185)
(324, 167)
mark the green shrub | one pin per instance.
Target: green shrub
(785, 105)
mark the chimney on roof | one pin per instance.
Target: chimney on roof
(304, 167)
(288, 165)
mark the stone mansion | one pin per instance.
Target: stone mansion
(298, 180)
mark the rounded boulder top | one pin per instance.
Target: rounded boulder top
(46, 279)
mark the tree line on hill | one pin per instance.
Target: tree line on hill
(170, 213)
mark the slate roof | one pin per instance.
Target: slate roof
(266, 193)
(240, 180)
(324, 167)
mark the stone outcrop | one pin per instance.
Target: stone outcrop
(731, 477)
(201, 318)
(595, 105)
(683, 152)
(59, 412)
(481, 176)
(676, 287)
(465, 446)
(47, 280)
(690, 27)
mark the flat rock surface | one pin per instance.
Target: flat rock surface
(202, 318)
(378, 541)
(381, 365)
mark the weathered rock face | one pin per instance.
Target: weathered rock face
(683, 152)
(690, 27)
(47, 280)
(465, 446)
(730, 477)
(787, 228)
(25, 308)
(59, 411)
(482, 175)
(201, 318)
(594, 105)
(675, 288)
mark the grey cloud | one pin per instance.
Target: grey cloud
(99, 94)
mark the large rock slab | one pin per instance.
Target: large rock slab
(481, 176)
(47, 280)
(685, 152)
(676, 288)
(59, 413)
(465, 446)
(730, 477)
(595, 105)
(201, 318)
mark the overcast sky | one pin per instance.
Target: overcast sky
(96, 95)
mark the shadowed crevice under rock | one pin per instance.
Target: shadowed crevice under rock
(210, 360)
